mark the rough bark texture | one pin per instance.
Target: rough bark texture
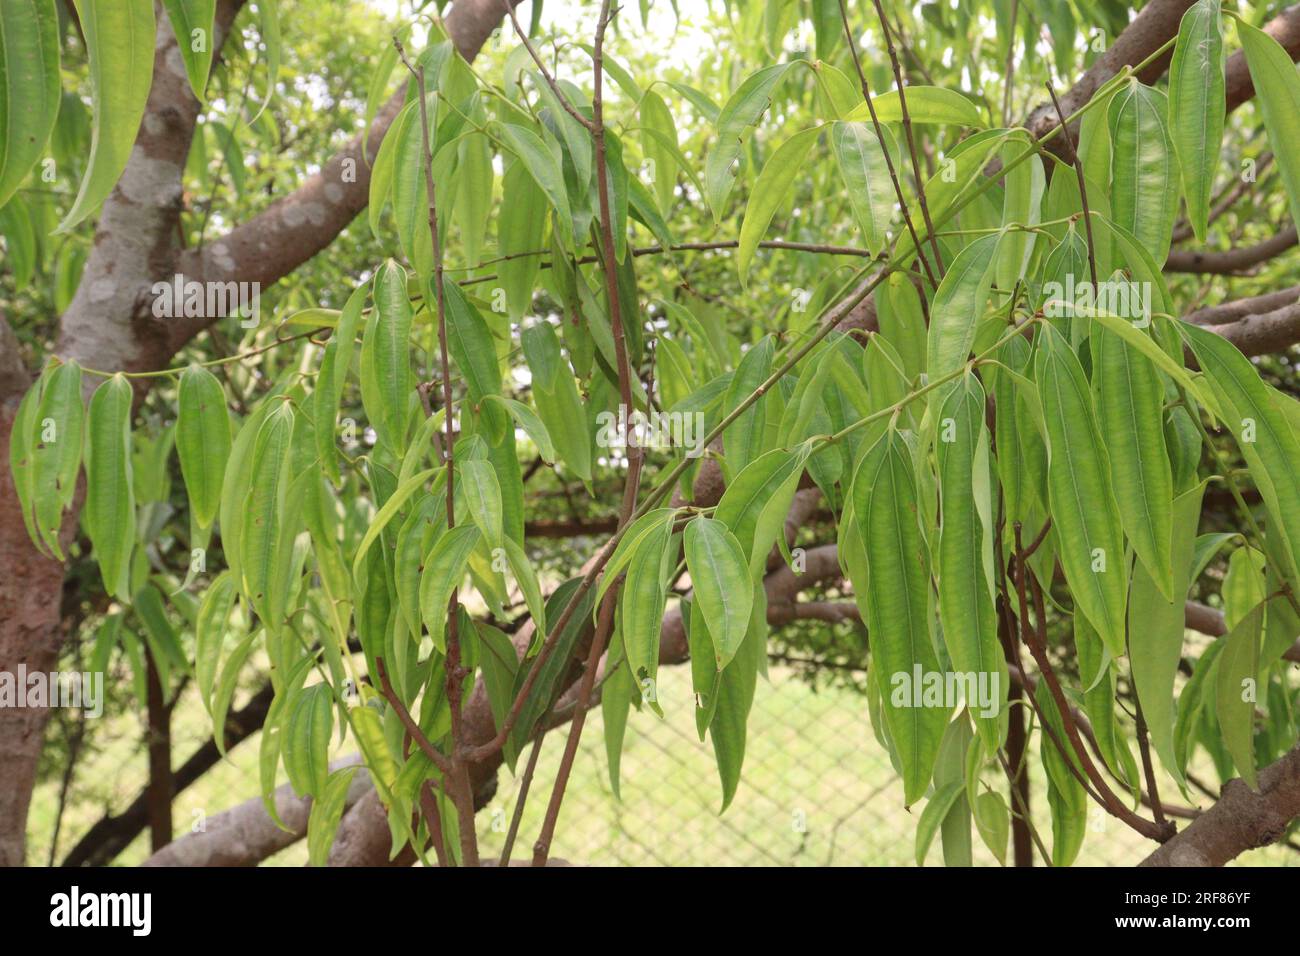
(245, 835)
(1241, 820)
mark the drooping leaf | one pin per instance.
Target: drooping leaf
(110, 499)
(29, 87)
(720, 578)
(1085, 515)
(203, 441)
(120, 44)
(1197, 104)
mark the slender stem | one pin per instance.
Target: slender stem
(911, 141)
(884, 148)
(525, 785)
(635, 454)
(458, 775)
(1077, 163)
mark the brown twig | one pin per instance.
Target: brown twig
(1074, 160)
(458, 774)
(635, 453)
(884, 148)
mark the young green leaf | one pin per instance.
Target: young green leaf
(959, 305)
(770, 190)
(965, 559)
(1130, 404)
(1197, 105)
(56, 454)
(886, 510)
(388, 336)
(444, 568)
(483, 496)
(862, 166)
(720, 579)
(29, 87)
(1144, 196)
(1278, 89)
(1156, 624)
(110, 501)
(203, 441)
(1236, 692)
(1086, 518)
(306, 738)
(269, 478)
(735, 122)
(192, 22)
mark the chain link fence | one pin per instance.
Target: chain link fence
(817, 790)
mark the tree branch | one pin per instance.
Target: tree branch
(1241, 820)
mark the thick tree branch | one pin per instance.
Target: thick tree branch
(1231, 261)
(295, 227)
(1241, 820)
(245, 835)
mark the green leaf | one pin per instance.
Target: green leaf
(306, 739)
(120, 44)
(1144, 194)
(1278, 89)
(388, 339)
(720, 579)
(742, 442)
(1156, 626)
(1086, 518)
(886, 509)
(203, 441)
(735, 122)
(527, 419)
(556, 397)
(29, 87)
(332, 378)
(756, 502)
(925, 104)
(863, 168)
(521, 227)
(641, 606)
(993, 823)
(268, 17)
(385, 514)
(645, 529)
(110, 500)
(56, 452)
(210, 629)
(656, 118)
(1263, 435)
(268, 486)
(483, 496)
(936, 808)
(192, 22)
(444, 568)
(770, 191)
(1130, 400)
(471, 345)
(735, 697)
(1236, 692)
(959, 305)
(545, 169)
(326, 812)
(1197, 104)
(227, 683)
(965, 556)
